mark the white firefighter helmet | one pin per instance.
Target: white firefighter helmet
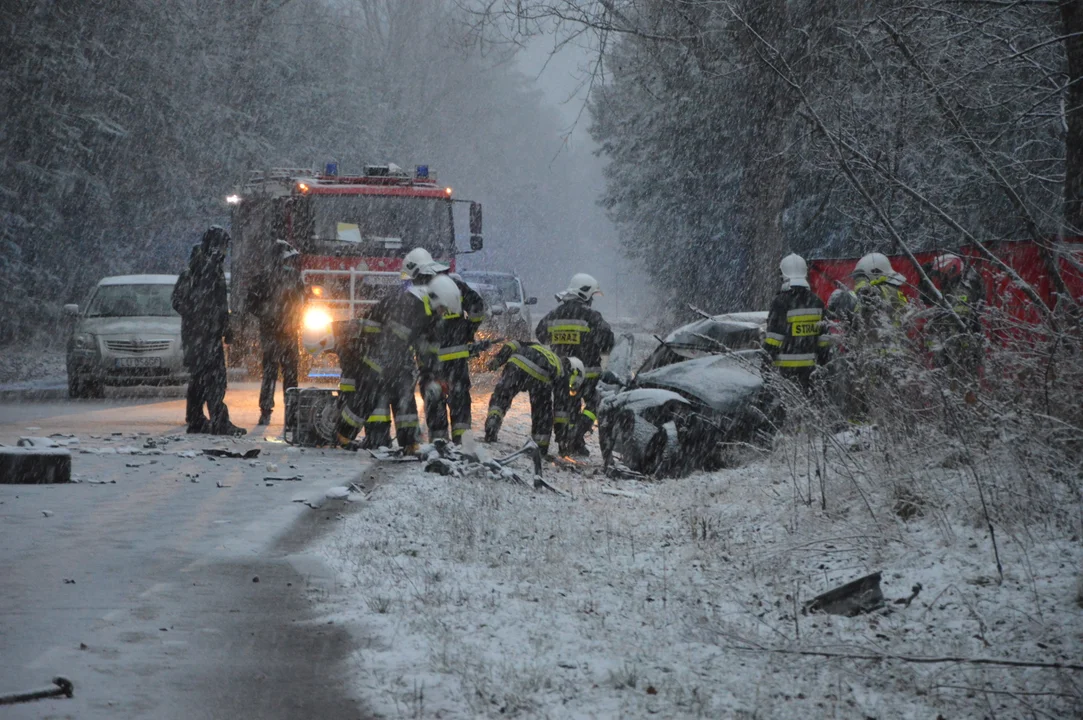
(444, 294)
(577, 372)
(896, 279)
(582, 286)
(872, 266)
(317, 333)
(794, 271)
(415, 261)
(285, 250)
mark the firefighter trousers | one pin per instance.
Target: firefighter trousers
(278, 354)
(576, 414)
(207, 385)
(447, 389)
(512, 382)
(395, 401)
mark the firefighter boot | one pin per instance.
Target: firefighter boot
(575, 448)
(492, 427)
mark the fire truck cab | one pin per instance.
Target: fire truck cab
(352, 232)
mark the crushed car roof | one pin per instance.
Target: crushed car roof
(722, 382)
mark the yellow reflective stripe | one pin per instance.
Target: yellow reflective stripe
(452, 316)
(428, 305)
(774, 342)
(551, 357)
(351, 418)
(477, 319)
(803, 318)
(794, 363)
(379, 419)
(541, 440)
(497, 412)
(408, 424)
(568, 327)
(401, 331)
(373, 364)
(530, 368)
(453, 352)
(802, 312)
(459, 432)
(824, 341)
(591, 415)
(512, 344)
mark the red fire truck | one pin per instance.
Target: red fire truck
(352, 232)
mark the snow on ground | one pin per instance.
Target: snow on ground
(678, 599)
(19, 366)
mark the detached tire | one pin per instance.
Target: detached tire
(80, 386)
(34, 466)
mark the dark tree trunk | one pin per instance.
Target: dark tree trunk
(1071, 12)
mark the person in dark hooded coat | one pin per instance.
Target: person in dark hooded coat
(200, 297)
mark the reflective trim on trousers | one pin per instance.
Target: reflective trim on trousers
(541, 440)
(347, 386)
(561, 418)
(496, 412)
(530, 368)
(459, 429)
(795, 361)
(351, 418)
(591, 415)
(592, 373)
(774, 339)
(407, 421)
(371, 326)
(373, 364)
(378, 419)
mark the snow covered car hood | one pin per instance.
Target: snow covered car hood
(724, 383)
(136, 326)
(639, 399)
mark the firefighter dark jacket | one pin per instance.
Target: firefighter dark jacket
(277, 298)
(200, 298)
(537, 361)
(455, 332)
(395, 325)
(795, 329)
(575, 329)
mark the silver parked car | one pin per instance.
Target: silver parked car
(509, 307)
(128, 334)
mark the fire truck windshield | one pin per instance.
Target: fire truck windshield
(380, 225)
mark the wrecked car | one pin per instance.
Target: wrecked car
(699, 395)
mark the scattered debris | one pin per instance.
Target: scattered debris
(218, 483)
(47, 513)
(219, 452)
(64, 688)
(69, 581)
(621, 493)
(37, 442)
(278, 478)
(255, 579)
(854, 598)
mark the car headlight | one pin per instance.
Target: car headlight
(316, 318)
(84, 341)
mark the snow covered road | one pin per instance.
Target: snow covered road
(139, 585)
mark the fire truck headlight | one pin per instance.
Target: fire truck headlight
(317, 319)
(233, 199)
(315, 290)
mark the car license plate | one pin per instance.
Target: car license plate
(139, 362)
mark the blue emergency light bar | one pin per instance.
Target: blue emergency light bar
(331, 170)
(422, 172)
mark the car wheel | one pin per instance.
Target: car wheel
(81, 386)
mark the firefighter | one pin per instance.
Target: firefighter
(796, 339)
(445, 368)
(958, 348)
(277, 299)
(200, 297)
(381, 366)
(544, 376)
(876, 284)
(575, 329)
(378, 423)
